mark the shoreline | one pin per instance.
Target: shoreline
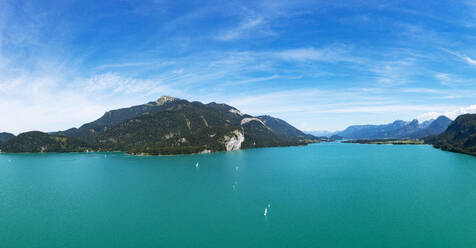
(386, 141)
(142, 154)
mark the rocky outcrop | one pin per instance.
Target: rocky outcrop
(246, 120)
(234, 141)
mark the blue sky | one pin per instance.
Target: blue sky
(320, 65)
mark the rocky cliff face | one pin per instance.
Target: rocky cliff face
(234, 142)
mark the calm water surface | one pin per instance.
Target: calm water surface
(322, 195)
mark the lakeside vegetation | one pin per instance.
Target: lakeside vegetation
(460, 136)
(42, 142)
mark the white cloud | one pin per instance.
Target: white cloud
(326, 54)
(315, 108)
(304, 54)
(392, 73)
(451, 80)
(48, 99)
(450, 114)
(134, 64)
(47, 103)
(469, 60)
(115, 84)
(317, 101)
(242, 30)
(36, 103)
(254, 79)
(423, 90)
(464, 57)
(381, 109)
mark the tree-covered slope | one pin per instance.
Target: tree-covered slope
(184, 128)
(187, 128)
(117, 116)
(434, 128)
(4, 137)
(284, 130)
(167, 126)
(42, 142)
(460, 136)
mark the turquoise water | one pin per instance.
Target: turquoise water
(322, 195)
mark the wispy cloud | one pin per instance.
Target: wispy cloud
(253, 80)
(451, 80)
(243, 29)
(337, 53)
(383, 108)
(115, 84)
(309, 67)
(39, 101)
(134, 64)
(424, 91)
(393, 73)
(42, 102)
(320, 108)
(469, 60)
(464, 57)
(315, 101)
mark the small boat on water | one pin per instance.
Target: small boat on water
(196, 165)
(265, 211)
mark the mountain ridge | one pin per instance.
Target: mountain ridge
(397, 129)
(4, 137)
(460, 136)
(167, 126)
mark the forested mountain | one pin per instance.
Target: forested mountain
(435, 127)
(284, 130)
(117, 116)
(397, 129)
(167, 126)
(5, 137)
(459, 137)
(187, 127)
(42, 142)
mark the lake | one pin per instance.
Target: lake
(321, 195)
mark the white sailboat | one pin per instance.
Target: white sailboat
(265, 211)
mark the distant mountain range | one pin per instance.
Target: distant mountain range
(321, 133)
(397, 130)
(166, 126)
(460, 136)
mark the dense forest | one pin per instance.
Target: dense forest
(459, 137)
